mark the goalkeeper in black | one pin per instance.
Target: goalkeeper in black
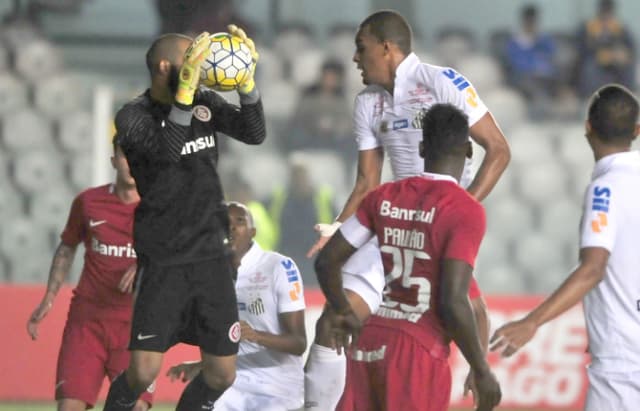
(184, 285)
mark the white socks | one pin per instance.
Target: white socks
(324, 378)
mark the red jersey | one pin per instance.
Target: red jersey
(100, 220)
(419, 222)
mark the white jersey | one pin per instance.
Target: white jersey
(268, 284)
(394, 122)
(611, 220)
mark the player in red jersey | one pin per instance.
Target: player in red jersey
(429, 230)
(96, 334)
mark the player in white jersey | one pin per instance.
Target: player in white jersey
(271, 305)
(387, 119)
(606, 278)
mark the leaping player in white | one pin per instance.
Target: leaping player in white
(269, 374)
(606, 280)
(387, 119)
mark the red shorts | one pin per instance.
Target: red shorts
(390, 370)
(91, 350)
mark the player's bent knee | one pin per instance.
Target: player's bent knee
(70, 404)
(143, 369)
(219, 380)
(219, 372)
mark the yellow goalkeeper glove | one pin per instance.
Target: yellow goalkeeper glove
(189, 76)
(248, 84)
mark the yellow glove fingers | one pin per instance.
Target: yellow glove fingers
(199, 46)
(238, 32)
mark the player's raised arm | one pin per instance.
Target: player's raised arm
(368, 178)
(58, 273)
(488, 135)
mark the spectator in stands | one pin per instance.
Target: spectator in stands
(322, 117)
(240, 191)
(297, 207)
(529, 58)
(606, 52)
(195, 16)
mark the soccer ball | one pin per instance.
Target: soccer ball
(228, 65)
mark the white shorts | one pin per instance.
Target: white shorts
(364, 275)
(612, 391)
(235, 400)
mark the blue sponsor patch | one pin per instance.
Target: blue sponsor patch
(600, 200)
(398, 124)
(242, 306)
(292, 272)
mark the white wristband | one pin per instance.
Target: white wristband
(327, 230)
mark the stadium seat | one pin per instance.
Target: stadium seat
(325, 167)
(507, 106)
(13, 94)
(11, 201)
(5, 274)
(75, 132)
(270, 67)
(340, 42)
(559, 219)
(530, 144)
(26, 245)
(508, 218)
(539, 256)
(501, 279)
(265, 170)
(31, 57)
(80, 171)
(483, 71)
(291, 40)
(494, 252)
(54, 99)
(279, 99)
(50, 208)
(38, 170)
(306, 67)
(25, 130)
(452, 43)
(542, 184)
(4, 58)
(565, 56)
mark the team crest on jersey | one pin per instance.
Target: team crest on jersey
(417, 120)
(384, 126)
(202, 113)
(234, 332)
(258, 278)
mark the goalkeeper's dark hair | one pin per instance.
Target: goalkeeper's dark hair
(388, 25)
(165, 48)
(445, 131)
(613, 113)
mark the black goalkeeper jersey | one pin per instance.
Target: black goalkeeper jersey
(173, 156)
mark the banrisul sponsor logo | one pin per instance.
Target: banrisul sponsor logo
(111, 250)
(198, 144)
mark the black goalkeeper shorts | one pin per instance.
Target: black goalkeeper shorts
(193, 303)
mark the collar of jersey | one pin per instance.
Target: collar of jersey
(251, 257)
(436, 176)
(616, 161)
(405, 74)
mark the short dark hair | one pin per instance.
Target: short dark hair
(445, 130)
(388, 25)
(164, 47)
(613, 113)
